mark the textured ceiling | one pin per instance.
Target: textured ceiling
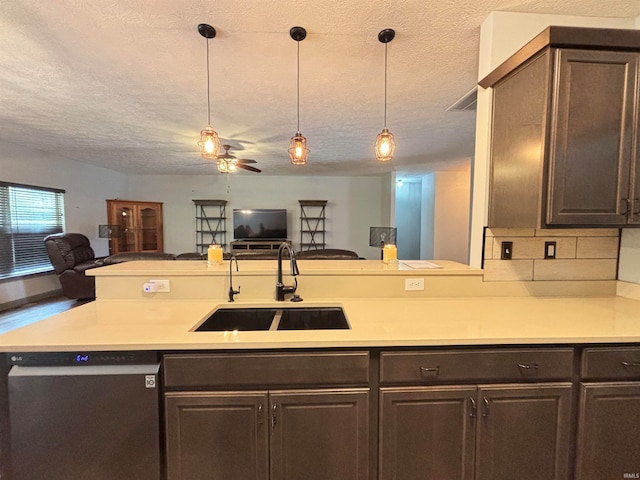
(122, 84)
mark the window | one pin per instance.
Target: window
(27, 215)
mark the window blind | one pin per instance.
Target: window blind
(27, 215)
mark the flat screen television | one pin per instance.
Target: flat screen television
(260, 224)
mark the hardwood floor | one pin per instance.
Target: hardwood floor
(34, 312)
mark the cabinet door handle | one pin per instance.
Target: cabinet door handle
(635, 206)
(630, 364)
(627, 204)
(430, 371)
(274, 414)
(260, 414)
(474, 409)
(485, 411)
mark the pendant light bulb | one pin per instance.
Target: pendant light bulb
(298, 150)
(209, 141)
(385, 144)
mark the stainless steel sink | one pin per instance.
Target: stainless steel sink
(292, 318)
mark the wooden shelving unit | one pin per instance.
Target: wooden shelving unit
(312, 224)
(211, 224)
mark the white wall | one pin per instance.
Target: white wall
(501, 35)
(451, 215)
(354, 204)
(86, 187)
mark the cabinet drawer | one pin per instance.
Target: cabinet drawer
(611, 363)
(476, 365)
(266, 369)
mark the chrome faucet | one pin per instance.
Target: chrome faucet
(281, 288)
(232, 292)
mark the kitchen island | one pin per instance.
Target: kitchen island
(450, 372)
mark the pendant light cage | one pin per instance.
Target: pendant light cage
(298, 150)
(385, 144)
(209, 143)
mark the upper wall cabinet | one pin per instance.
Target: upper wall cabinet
(565, 146)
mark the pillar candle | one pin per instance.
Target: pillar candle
(214, 254)
(389, 253)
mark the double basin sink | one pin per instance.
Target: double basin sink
(273, 318)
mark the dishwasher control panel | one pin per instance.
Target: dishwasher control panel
(40, 359)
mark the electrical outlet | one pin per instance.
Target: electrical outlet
(163, 286)
(549, 250)
(414, 284)
(506, 250)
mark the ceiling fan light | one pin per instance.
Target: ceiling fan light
(298, 150)
(385, 145)
(209, 143)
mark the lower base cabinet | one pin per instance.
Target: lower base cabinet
(486, 432)
(268, 435)
(608, 437)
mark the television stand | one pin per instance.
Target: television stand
(253, 245)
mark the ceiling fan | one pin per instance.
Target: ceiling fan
(228, 163)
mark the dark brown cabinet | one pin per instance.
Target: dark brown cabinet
(278, 435)
(138, 226)
(491, 431)
(217, 435)
(565, 131)
(277, 430)
(608, 443)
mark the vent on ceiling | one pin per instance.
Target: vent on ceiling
(466, 103)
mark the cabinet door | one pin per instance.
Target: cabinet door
(149, 219)
(523, 432)
(217, 436)
(123, 215)
(427, 432)
(320, 434)
(608, 439)
(591, 137)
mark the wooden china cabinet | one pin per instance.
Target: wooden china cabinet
(140, 226)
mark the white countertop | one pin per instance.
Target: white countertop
(269, 267)
(126, 325)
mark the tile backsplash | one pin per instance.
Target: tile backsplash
(581, 254)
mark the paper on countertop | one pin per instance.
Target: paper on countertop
(419, 264)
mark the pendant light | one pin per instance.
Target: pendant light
(209, 142)
(385, 145)
(298, 150)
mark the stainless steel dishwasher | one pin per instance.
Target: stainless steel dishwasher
(84, 415)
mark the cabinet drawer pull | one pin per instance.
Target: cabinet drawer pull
(474, 409)
(630, 364)
(485, 402)
(430, 371)
(528, 368)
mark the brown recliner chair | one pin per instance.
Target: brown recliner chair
(71, 255)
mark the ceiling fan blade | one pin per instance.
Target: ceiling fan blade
(247, 167)
(246, 160)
